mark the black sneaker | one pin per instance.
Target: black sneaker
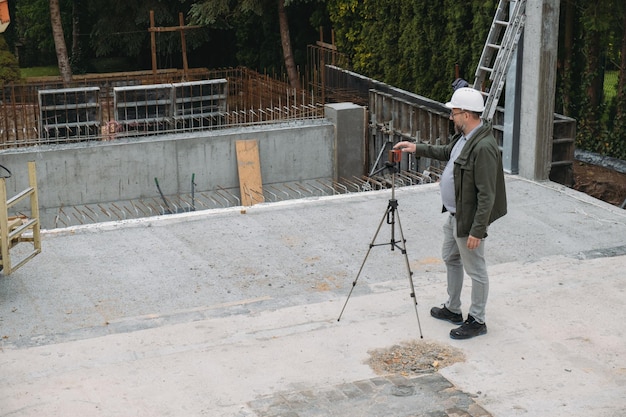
(445, 314)
(469, 329)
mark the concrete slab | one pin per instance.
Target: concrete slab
(223, 313)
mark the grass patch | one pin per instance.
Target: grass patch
(39, 71)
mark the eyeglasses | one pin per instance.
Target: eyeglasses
(452, 114)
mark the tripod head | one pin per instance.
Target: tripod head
(393, 164)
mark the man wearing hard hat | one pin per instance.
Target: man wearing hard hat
(473, 193)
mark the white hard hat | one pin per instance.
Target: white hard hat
(467, 98)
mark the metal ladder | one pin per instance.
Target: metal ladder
(498, 51)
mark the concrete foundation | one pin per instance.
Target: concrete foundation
(102, 172)
(125, 169)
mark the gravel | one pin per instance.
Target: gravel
(413, 357)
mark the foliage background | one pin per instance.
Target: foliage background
(418, 44)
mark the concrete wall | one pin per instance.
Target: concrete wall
(125, 169)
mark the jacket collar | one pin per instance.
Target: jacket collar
(477, 135)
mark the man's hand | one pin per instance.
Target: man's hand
(473, 242)
(405, 146)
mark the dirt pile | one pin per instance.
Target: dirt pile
(599, 182)
(413, 357)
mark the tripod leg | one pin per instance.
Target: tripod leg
(408, 267)
(364, 260)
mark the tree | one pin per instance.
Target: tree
(76, 59)
(120, 27)
(285, 41)
(568, 61)
(221, 13)
(413, 44)
(32, 28)
(9, 69)
(59, 42)
(597, 20)
(618, 139)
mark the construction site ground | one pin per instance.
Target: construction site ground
(234, 312)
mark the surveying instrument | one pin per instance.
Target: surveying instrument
(390, 217)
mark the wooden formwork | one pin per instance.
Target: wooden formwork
(393, 119)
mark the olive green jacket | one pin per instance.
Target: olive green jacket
(480, 192)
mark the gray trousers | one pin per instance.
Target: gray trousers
(457, 259)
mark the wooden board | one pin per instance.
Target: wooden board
(249, 167)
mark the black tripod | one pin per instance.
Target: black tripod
(391, 215)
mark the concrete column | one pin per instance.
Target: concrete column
(538, 85)
(512, 95)
(349, 120)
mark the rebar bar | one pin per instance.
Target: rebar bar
(253, 101)
(221, 197)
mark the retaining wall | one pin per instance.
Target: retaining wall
(125, 169)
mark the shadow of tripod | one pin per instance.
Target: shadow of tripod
(391, 216)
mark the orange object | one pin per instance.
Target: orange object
(5, 19)
(395, 155)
